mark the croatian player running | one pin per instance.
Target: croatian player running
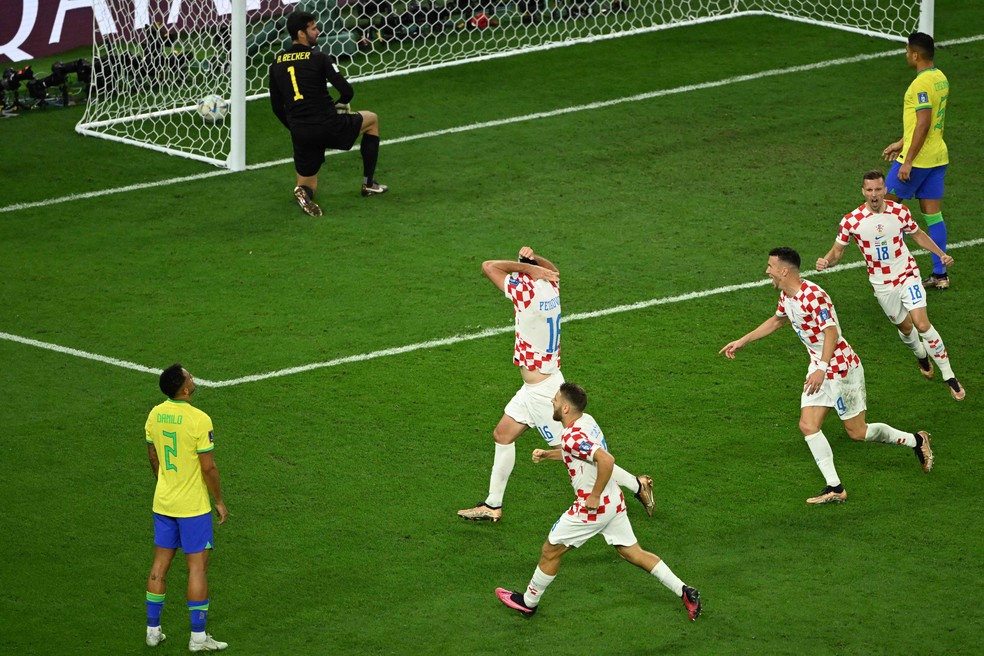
(835, 377)
(598, 508)
(179, 446)
(920, 156)
(879, 228)
(533, 286)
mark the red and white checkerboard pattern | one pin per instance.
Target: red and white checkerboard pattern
(578, 445)
(881, 238)
(809, 311)
(537, 310)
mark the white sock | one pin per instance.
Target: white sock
(625, 479)
(198, 636)
(820, 448)
(502, 466)
(668, 578)
(914, 343)
(888, 435)
(934, 344)
(537, 585)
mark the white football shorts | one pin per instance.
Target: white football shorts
(533, 405)
(897, 302)
(573, 530)
(846, 395)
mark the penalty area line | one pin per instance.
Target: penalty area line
(436, 343)
(494, 124)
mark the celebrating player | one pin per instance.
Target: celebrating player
(533, 286)
(179, 445)
(835, 377)
(300, 99)
(920, 155)
(879, 228)
(598, 507)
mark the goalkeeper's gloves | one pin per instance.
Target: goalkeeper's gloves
(343, 108)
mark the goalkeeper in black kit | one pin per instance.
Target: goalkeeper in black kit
(300, 99)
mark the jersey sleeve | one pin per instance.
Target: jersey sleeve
(909, 226)
(922, 93)
(821, 309)
(576, 444)
(204, 439)
(844, 231)
(781, 308)
(337, 81)
(519, 289)
(149, 437)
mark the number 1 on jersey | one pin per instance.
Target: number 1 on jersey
(553, 326)
(293, 81)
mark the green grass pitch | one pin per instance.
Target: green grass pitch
(343, 481)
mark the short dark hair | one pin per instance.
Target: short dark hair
(575, 395)
(923, 44)
(873, 174)
(172, 379)
(298, 22)
(787, 255)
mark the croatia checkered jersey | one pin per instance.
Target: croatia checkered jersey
(578, 445)
(881, 238)
(809, 311)
(537, 306)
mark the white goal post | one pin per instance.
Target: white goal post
(153, 60)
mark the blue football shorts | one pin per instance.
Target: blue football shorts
(192, 534)
(923, 183)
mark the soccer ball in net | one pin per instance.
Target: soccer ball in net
(213, 108)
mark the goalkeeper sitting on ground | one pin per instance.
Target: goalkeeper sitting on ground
(299, 78)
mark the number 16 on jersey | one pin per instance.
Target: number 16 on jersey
(553, 326)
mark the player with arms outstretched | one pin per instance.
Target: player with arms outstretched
(879, 228)
(533, 286)
(835, 377)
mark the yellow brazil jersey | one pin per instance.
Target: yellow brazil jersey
(928, 91)
(179, 432)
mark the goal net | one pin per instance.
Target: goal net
(154, 60)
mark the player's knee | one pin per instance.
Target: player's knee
(857, 433)
(808, 427)
(501, 437)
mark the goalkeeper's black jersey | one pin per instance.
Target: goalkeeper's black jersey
(298, 86)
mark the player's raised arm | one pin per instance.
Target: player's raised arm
(542, 455)
(527, 253)
(832, 257)
(498, 270)
(927, 242)
(769, 326)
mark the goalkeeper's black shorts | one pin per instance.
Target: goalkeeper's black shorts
(310, 141)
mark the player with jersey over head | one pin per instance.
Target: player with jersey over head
(299, 78)
(879, 228)
(533, 286)
(835, 377)
(179, 445)
(598, 508)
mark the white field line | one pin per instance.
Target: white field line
(446, 341)
(494, 124)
